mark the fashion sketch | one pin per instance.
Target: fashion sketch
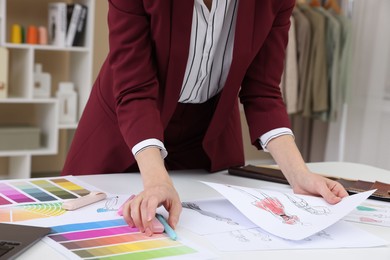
(304, 205)
(272, 205)
(247, 235)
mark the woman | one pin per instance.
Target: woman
(166, 98)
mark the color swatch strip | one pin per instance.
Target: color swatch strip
(100, 240)
(14, 194)
(68, 185)
(152, 254)
(125, 248)
(53, 189)
(4, 201)
(33, 191)
(89, 225)
(85, 234)
(105, 241)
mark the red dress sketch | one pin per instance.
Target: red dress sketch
(273, 206)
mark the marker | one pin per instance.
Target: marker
(167, 229)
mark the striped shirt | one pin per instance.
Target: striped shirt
(211, 50)
(208, 63)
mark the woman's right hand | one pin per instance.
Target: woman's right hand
(158, 190)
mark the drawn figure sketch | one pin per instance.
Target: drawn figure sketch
(272, 205)
(195, 207)
(248, 235)
(303, 204)
(110, 205)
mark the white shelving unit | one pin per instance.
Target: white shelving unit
(72, 64)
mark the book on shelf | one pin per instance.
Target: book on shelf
(57, 23)
(67, 24)
(76, 16)
(79, 39)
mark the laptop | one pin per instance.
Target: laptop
(15, 239)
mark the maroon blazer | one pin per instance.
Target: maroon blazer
(139, 84)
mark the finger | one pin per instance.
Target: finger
(174, 214)
(339, 190)
(327, 193)
(135, 213)
(150, 212)
(146, 221)
(126, 214)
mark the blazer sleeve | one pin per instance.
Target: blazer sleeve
(260, 92)
(135, 85)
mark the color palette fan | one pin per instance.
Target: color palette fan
(32, 191)
(32, 211)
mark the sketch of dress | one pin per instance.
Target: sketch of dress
(272, 205)
(195, 207)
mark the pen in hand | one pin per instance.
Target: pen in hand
(167, 228)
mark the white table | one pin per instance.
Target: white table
(190, 189)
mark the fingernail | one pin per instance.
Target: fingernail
(150, 217)
(148, 232)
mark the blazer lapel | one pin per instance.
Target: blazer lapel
(182, 11)
(243, 40)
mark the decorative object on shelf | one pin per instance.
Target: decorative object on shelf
(17, 34)
(57, 24)
(67, 98)
(19, 138)
(4, 57)
(42, 82)
(42, 34)
(32, 35)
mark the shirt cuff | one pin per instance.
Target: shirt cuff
(267, 137)
(152, 142)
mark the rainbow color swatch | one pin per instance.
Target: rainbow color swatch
(35, 191)
(32, 211)
(114, 239)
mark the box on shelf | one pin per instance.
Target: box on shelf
(19, 138)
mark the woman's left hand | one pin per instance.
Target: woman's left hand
(290, 161)
(314, 184)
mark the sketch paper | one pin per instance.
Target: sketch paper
(371, 212)
(212, 216)
(288, 215)
(114, 239)
(339, 235)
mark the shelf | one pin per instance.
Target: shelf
(21, 108)
(45, 47)
(39, 151)
(67, 126)
(11, 100)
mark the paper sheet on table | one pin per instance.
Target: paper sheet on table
(213, 216)
(229, 230)
(339, 235)
(371, 212)
(288, 215)
(113, 238)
